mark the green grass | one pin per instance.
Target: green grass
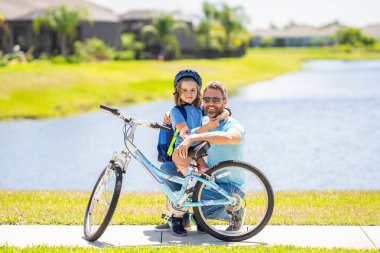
(291, 208)
(183, 249)
(41, 89)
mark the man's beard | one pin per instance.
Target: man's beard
(215, 113)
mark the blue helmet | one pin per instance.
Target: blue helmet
(188, 73)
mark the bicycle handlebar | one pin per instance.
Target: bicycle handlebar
(111, 110)
(151, 124)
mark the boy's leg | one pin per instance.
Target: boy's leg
(181, 163)
(170, 168)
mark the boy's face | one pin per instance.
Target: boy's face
(188, 91)
(213, 102)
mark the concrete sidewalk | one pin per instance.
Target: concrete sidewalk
(313, 236)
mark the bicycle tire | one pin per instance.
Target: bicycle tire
(219, 231)
(99, 189)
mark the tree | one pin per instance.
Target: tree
(4, 32)
(233, 20)
(207, 22)
(353, 37)
(63, 21)
(161, 33)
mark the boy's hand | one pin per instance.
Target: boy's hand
(184, 147)
(167, 120)
(213, 123)
(224, 115)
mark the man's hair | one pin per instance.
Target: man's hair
(179, 102)
(217, 86)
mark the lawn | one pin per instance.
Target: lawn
(291, 208)
(42, 89)
(183, 249)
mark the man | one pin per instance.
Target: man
(227, 141)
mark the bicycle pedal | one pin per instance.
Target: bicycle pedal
(190, 190)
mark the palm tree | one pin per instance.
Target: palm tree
(161, 33)
(63, 21)
(233, 20)
(207, 22)
(4, 32)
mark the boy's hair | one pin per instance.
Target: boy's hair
(217, 86)
(179, 102)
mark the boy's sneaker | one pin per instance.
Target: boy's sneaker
(167, 226)
(163, 227)
(237, 220)
(177, 227)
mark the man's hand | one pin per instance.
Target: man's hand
(184, 147)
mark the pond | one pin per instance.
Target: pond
(318, 128)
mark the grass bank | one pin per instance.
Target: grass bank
(184, 249)
(291, 208)
(41, 89)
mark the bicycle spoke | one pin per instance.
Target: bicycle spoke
(253, 202)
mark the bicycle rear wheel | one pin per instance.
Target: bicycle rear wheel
(103, 201)
(254, 207)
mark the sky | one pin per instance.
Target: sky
(357, 13)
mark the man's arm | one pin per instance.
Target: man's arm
(232, 136)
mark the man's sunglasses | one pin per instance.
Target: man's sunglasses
(214, 99)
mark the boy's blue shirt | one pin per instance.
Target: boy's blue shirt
(194, 119)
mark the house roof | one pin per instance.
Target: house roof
(147, 15)
(27, 10)
(139, 15)
(297, 31)
(372, 30)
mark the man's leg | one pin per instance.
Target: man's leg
(236, 219)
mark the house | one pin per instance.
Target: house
(372, 30)
(134, 21)
(20, 14)
(295, 36)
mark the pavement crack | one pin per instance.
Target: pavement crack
(374, 245)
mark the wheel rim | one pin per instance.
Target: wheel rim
(252, 202)
(100, 202)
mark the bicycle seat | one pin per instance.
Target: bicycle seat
(199, 150)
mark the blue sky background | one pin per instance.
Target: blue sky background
(312, 12)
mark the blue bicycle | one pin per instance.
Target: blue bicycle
(232, 201)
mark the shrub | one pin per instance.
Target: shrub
(125, 55)
(72, 59)
(58, 59)
(29, 57)
(43, 56)
(138, 48)
(3, 59)
(93, 50)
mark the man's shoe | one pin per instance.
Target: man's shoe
(186, 221)
(237, 220)
(177, 227)
(200, 229)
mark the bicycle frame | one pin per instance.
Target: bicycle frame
(179, 199)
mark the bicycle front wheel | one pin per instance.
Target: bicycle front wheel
(248, 216)
(103, 201)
